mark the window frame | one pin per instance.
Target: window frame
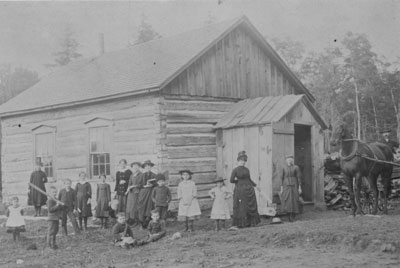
(99, 122)
(45, 129)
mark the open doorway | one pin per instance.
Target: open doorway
(303, 158)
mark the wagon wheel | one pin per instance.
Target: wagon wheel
(366, 202)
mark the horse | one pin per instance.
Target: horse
(359, 159)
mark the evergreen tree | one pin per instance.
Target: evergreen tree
(146, 32)
(68, 50)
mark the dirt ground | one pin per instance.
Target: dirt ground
(317, 239)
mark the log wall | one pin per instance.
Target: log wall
(236, 67)
(188, 140)
(134, 124)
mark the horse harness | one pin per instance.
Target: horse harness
(355, 153)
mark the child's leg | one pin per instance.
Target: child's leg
(187, 224)
(64, 223)
(85, 223)
(191, 225)
(17, 235)
(101, 223)
(72, 218)
(80, 222)
(105, 223)
(223, 224)
(39, 210)
(14, 235)
(217, 225)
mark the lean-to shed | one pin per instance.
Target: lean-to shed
(268, 128)
(157, 100)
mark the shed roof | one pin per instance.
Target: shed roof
(265, 110)
(141, 68)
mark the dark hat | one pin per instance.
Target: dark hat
(160, 177)
(289, 156)
(242, 156)
(220, 180)
(147, 163)
(136, 163)
(185, 171)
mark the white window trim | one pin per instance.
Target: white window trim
(95, 123)
(44, 129)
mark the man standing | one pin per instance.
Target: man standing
(393, 145)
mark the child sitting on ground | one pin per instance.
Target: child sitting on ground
(122, 234)
(156, 227)
(15, 222)
(55, 208)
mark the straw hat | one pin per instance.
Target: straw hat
(185, 171)
(276, 220)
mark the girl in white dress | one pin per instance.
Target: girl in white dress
(15, 222)
(189, 208)
(220, 208)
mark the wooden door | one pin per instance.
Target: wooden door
(282, 145)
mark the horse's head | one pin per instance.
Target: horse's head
(338, 133)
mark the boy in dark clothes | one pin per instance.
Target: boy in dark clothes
(55, 209)
(122, 234)
(156, 227)
(161, 196)
(68, 197)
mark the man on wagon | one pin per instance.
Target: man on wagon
(393, 145)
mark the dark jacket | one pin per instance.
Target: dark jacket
(161, 196)
(68, 198)
(54, 210)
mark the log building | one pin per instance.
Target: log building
(159, 100)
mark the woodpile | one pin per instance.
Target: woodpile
(336, 191)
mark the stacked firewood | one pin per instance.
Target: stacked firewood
(336, 190)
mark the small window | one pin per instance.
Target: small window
(44, 152)
(99, 142)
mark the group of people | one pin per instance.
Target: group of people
(142, 199)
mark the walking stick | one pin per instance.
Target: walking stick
(44, 193)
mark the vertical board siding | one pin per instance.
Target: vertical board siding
(134, 130)
(236, 67)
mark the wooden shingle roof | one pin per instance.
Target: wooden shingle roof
(143, 68)
(264, 110)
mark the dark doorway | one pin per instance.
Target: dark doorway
(303, 158)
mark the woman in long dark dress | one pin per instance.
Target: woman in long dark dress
(245, 211)
(291, 188)
(134, 186)
(146, 204)
(121, 185)
(35, 198)
(83, 200)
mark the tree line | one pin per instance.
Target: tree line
(349, 81)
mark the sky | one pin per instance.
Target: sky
(31, 31)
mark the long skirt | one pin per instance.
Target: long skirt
(245, 211)
(145, 204)
(290, 199)
(132, 204)
(121, 203)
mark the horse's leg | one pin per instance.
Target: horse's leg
(386, 189)
(372, 179)
(349, 181)
(358, 180)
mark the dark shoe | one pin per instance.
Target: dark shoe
(54, 247)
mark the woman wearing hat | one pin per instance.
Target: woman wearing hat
(291, 188)
(121, 184)
(189, 209)
(393, 145)
(134, 186)
(145, 202)
(245, 211)
(35, 198)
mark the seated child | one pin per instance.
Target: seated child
(15, 221)
(156, 227)
(122, 234)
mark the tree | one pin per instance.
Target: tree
(210, 19)
(146, 32)
(14, 81)
(68, 50)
